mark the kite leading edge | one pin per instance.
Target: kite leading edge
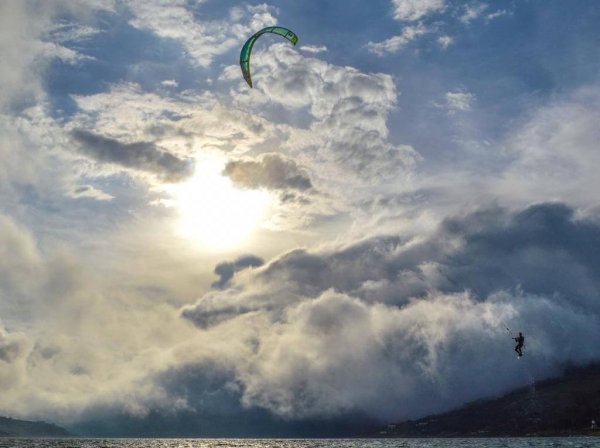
(247, 48)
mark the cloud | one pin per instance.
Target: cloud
(72, 32)
(213, 410)
(181, 122)
(495, 15)
(203, 40)
(36, 166)
(445, 41)
(210, 317)
(29, 41)
(14, 350)
(348, 110)
(23, 53)
(227, 269)
(553, 152)
(396, 43)
(313, 48)
(89, 191)
(20, 263)
(491, 237)
(68, 330)
(169, 83)
(144, 156)
(12, 347)
(411, 10)
(271, 171)
(413, 320)
(458, 101)
(472, 12)
(68, 327)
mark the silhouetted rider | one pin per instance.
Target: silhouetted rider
(520, 342)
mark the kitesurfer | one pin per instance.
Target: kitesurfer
(520, 342)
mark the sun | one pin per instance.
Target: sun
(212, 211)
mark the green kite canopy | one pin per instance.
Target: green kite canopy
(247, 48)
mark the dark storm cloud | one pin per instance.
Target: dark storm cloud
(344, 270)
(145, 156)
(271, 171)
(213, 395)
(227, 269)
(415, 321)
(542, 249)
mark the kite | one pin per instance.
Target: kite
(247, 48)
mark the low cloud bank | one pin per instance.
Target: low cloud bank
(398, 328)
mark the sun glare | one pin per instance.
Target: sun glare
(212, 211)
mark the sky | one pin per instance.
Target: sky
(347, 244)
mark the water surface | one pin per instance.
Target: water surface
(553, 442)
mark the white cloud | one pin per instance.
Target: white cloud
(71, 343)
(182, 123)
(347, 138)
(547, 155)
(29, 41)
(37, 162)
(495, 15)
(19, 48)
(230, 73)
(396, 43)
(203, 40)
(14, 350)
(59, 309)
(51, 50)
(313, 48)
(72, 32)
(445, 41)
(393, 319)
(473, 11)
(554, 153)
(458, 101)
(169, 83)
(411, 10)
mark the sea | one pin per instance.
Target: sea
(529, 442)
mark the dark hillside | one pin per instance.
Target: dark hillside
(10, 427)
(560, 406)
